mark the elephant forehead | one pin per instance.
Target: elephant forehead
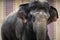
(40, 14)
(41, 18)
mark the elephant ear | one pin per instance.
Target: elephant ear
(24, 8)
(53, 13)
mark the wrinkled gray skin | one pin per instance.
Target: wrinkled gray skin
(9, 27)
(14, 29)
(40, 24)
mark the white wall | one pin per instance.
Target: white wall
(58, 21)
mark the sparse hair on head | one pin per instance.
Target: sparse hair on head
(39, 5)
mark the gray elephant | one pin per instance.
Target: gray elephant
(29, 23)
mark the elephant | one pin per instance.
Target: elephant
(28, 23)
